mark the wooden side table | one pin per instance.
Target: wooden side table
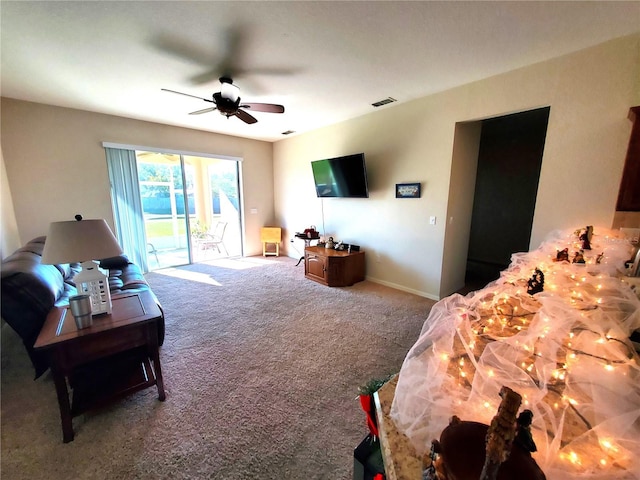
(307, 242)
(125, 340)
(270, 236)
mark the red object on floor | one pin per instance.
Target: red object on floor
(378, 476)
(369, 407)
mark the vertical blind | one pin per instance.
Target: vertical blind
(127, 204)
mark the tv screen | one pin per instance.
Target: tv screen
(341, 176)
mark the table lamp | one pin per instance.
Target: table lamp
(84, 241)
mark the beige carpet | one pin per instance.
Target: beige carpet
(261, 370)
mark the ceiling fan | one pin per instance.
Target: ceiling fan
(227, 102)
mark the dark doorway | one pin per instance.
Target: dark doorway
(509, 161)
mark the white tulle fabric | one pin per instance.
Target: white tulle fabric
(565, 350)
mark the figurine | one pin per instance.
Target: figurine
(562, 255)
(501, 433)
(524, 439)
(578, 257)
(585, 237)
(430, 472)
(330, 243)
(536, 282)
(470, 450)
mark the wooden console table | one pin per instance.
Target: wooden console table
(333, 268)
(127, 338)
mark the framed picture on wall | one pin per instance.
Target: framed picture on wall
(407, 190)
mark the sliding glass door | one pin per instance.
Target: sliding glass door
(215, 221)
(191, 208)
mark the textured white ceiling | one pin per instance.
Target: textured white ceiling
(324, 61)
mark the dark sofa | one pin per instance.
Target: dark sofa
(30, 289)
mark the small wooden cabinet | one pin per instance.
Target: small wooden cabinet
(332, 267)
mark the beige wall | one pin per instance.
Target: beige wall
(460, 204)
(589, 92)
(8, 224)
(56, 164)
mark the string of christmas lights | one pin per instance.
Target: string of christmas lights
(564, 348)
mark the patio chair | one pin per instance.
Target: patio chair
(152, 249)
(215, 239)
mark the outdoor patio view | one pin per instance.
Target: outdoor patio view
(191, 208)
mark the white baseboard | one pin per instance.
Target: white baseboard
(403, 288)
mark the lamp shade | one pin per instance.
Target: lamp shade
(79, 241)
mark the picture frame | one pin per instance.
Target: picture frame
(407, 190)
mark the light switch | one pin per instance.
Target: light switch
(432, 220)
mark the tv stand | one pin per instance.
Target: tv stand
(332, 267)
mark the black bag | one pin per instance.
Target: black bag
(367, 460)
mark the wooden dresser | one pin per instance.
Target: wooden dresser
(332, 267)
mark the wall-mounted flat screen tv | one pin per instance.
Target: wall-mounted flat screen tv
(341, 176)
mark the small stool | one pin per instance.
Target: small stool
(270, 235)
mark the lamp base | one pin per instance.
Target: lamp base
(91, 281)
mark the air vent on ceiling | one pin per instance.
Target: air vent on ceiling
(384, 102)
(288, 132)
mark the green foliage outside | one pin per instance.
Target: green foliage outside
(199, 229)
(224, 178)
(164, 227)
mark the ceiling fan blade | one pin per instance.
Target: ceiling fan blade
(234, 47)
(182, 48)
(186, 94)
(245, 117)
(205, 77)
(204, 110)
(264, 107)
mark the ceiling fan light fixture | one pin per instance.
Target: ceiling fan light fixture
(227, 103)
(229, 91)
